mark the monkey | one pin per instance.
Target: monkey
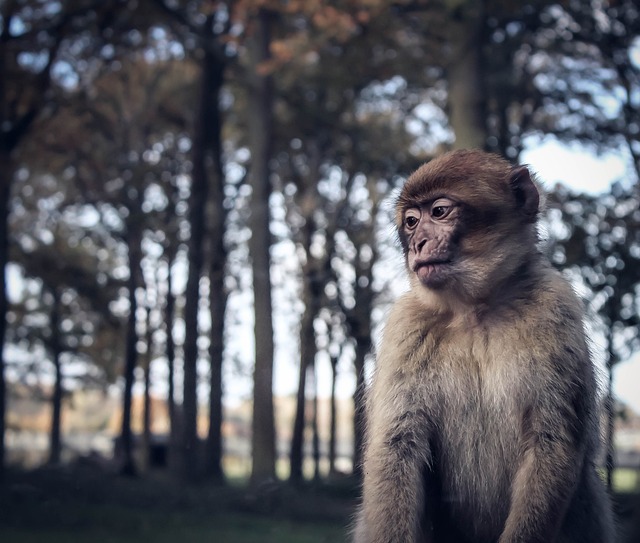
(481, 417)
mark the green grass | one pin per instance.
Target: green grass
(626, 480)
(76, 508)
(104, 524)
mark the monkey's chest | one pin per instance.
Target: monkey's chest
(478, 444)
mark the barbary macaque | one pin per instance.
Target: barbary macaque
(482, 422)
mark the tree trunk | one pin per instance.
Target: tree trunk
(170, 303)
(218, 302)
(312, 292)
(56, 401)
(127, 464)
(146, 416)
(466, 97)
(261, 135)
(197, 201)
(333, 421)
(15, 121)
(205, 120)
(314, 427)
(217, 291)
(359, 320)
(6, 172)
(307, 354)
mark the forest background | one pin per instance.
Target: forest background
(192, 190)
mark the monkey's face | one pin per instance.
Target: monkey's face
(466, 222)
(428, 232)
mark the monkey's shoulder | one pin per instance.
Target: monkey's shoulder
(552, 311)
(410, 310)
(410, 335)
(410, 320)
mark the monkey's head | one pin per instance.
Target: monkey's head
(467, 222)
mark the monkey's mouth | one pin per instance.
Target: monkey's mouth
(429, 271)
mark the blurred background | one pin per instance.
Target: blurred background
(198, 251)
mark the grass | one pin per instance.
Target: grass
(89, 506)
(57, 507)
(103, 524)
(626, 480)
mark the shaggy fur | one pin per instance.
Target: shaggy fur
(482, 422)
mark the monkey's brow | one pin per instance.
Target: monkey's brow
(429, 199)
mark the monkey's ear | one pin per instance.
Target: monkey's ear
(525, 191)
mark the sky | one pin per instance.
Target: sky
(574, 167)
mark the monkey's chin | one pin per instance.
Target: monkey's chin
(433, 275)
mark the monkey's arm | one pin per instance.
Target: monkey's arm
(397, 455)
(554, 432)
(398, 434)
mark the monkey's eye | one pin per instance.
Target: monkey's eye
(441, 208)
(411, 219)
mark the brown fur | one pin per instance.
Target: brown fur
(482, 423)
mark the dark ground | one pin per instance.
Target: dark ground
(84, 504)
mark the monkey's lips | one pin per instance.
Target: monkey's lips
(431, 272)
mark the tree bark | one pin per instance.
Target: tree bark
(307, 355)
(6, 172)
(359, 321)
(7, 143)
(134, 238)
(170, 303)
(333, 416)
(55, 442)
(14, 124)
(312, 292)
(217, 291)
(197, 219)
(146, 416)
(466, 96)
(218, 302)
(197, 201)
(314, 427)
(261, 136)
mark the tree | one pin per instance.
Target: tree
(260, 126)
(127, 144)
(206, 42)
(18, 109)
(464, 71)
(35, 41)
(601, 246)
(207, 129)
(318, 97)
(133, 238)
(217, 292)
(604, 40)
(67, 316)
(55, 442)
(560, 69)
